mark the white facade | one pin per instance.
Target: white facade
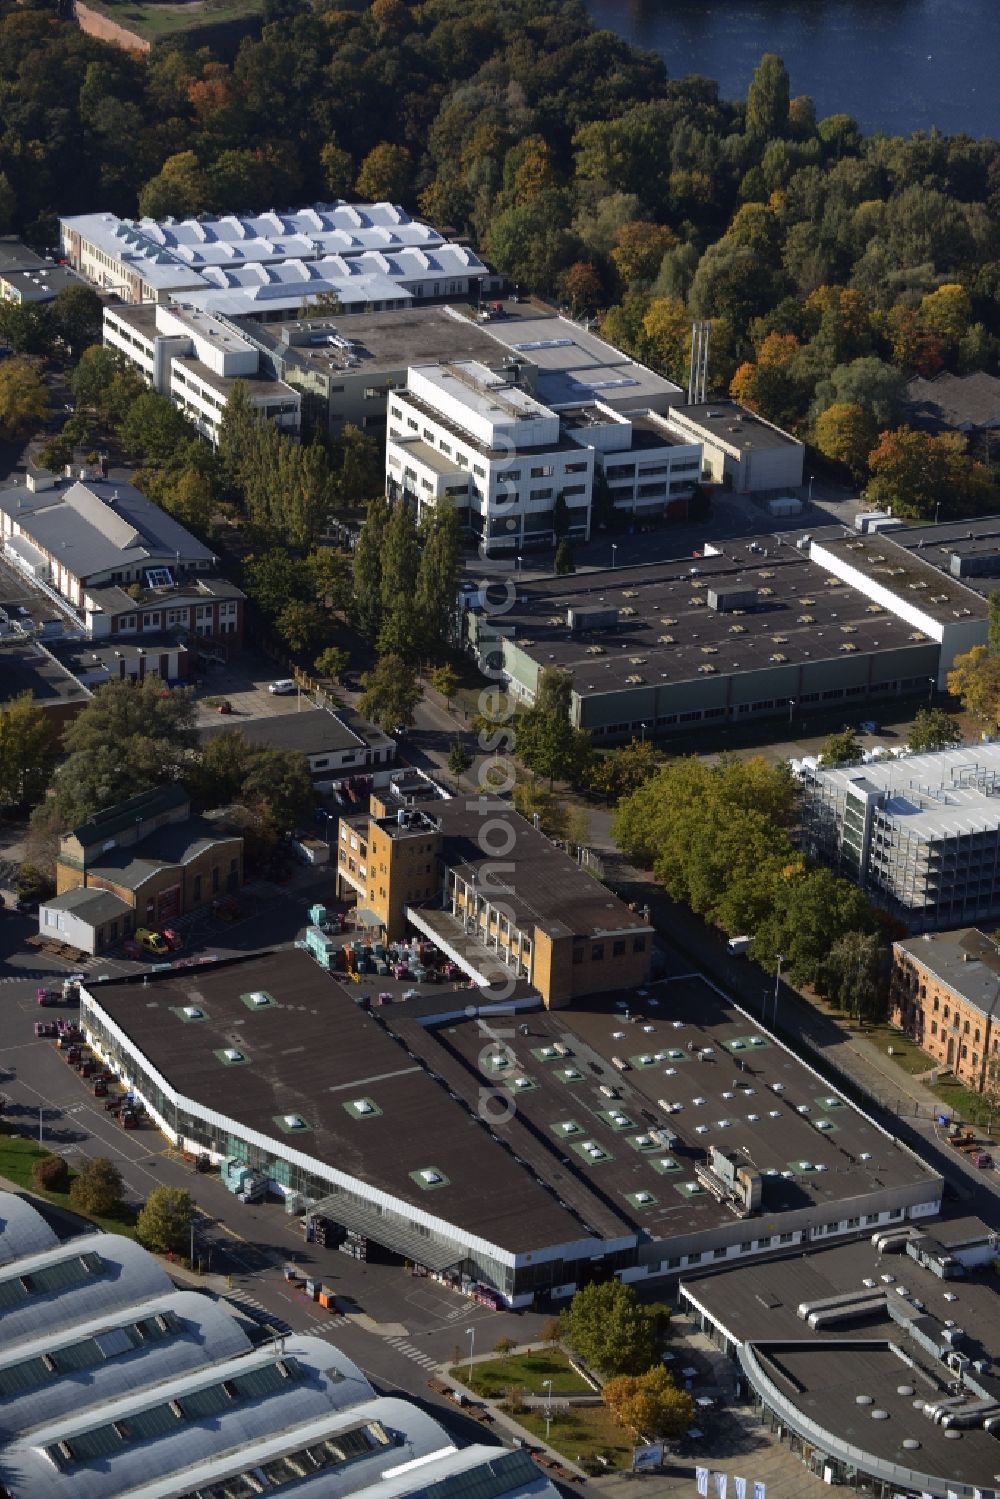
(194, 357)
(369, 255)
(463, 433)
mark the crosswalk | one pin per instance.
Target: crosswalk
(247, 1303)
(408, 1351)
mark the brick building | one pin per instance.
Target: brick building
(153, 855)
(491, 891)
(945, 995)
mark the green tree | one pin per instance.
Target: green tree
(846, 433)
(400, 558)
(444, 679)
(127, 739)
(459, 758)
(236, 430)
(329, 572)
(360, 474)
(767, 99)
(610, 1329)
(24, 398)
(850, 975)
(76, 312)
(391, 693)
(299, 624)
(564, 559)
(27, 327)
(810, 909)
(620, 772)
(975, 680)
(649, 1405)
(98, 1188)
(50, 1173)
(220, 769)
(180, 188)
(436, 591)
(153, 428)
(385, 175)
(278, 784)
(275, 579)
(867, 382)
(933, 729)
(993, 622)
(367, 568)
(842, 748)
(547, 742)
(332, 661)
(93, 377)
(27, 752)
(164, 1223)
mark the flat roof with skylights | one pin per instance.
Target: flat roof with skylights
(604, 1128)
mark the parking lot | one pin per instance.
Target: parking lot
(243, 683)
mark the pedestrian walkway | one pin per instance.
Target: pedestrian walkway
(409, 1351)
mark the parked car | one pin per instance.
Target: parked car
(282, 687)
(173, 938)
(151, 941)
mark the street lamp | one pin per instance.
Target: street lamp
(777, 986)
(470, 1333)
(614, 554)
(518, 560)
(547, 1386)
(642, 740)
(930, 693)
(792, 705)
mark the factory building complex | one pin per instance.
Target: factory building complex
(510, 1149)
(114, 1381)
(758, 627)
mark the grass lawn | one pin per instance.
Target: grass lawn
(967, 1105)
(18, 1155)
(905, 1053)
(581, 1433)
(526, 1372)
(158, 20)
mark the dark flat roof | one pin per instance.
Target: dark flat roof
(719, 418)
(962, 401)
(312, 1056)
(25, 668)
(668, 637)
(382, 342)
(312, 731)
(758, 1303)
(542, 886)
(87, 655)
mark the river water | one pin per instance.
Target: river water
(895, 65)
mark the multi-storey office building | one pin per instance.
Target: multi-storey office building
(195, 359)
(920, 835)
(479, 440)
(945, 995)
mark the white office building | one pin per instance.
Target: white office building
(194, 358)
(476, 438)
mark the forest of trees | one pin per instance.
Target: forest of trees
(832, 266)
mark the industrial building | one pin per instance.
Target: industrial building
(753, 628)
(116, 565)
(743, 452)
(113, 1381)
(366, 255)
(345, 367)
(945, 995)
(919, 834)
(529, 914)
(506, 1148)
(874, 1361)
(143, 862)
(195, 358)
